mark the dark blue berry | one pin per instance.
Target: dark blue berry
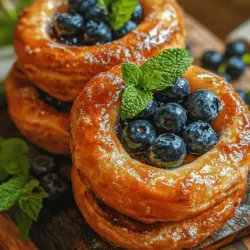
(243, 96)
(3, 100)
(97, 32)
(171, 118)
(203, 105)
(63, 107)
(54, 186)
(137, 14)
(235, 67)
(199, 137)
(177, 92)
(72, 40)
(149, 111)
(138, 135)
(96, 13)
(82, 6)
(168, 151)
(212, 60)
(42, 165)
(124, 30)
(66, 24)
(226, 76)
(237, 48)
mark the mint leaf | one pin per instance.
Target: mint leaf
(131, 74)
(10, 192)
(165, 69)
(246, 58)
(3, 175)
(134, 101)
(31, 201)
(12, 157)
(24, 223)
(101, 4)
(121, 12)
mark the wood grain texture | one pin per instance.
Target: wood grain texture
(61, 226)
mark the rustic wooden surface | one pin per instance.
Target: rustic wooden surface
(61, 226)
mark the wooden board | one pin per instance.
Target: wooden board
(61, 226)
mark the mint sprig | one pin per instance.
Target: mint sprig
(15, 191)
(156, 74)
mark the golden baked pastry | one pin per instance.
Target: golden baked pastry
(204, 191)
(62, 70)
(38, 122)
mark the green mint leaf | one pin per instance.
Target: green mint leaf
(134, 101)
(165, 69)
(101, 4)
(246, 58)
(3, 175)
(31, 201)
(13, 158)
(131, 74)
(10, 192)
(121, 12)
(24, 223)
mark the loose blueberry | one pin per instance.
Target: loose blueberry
(226, 76)
(212, 60)
(138, 135)
(243, 96)
(71, 40)
(199, 137)
(82, 6)
(168, 151)
(128, 27)
(171, 118)
(203, 105)
(137, 14)
(3, 100)
(42, 165)
(97, 32)
(54, 186)
(235, 67)
(66, 24)
(149, 111)
(96, 13)
(177, 92)
(237, 48)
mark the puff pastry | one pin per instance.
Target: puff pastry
(62, 71)
(37, 121)
(146, 193)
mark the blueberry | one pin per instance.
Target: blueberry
(235, 67)
(237, 48)
(42, 165)
(97, 32)
(71, 40)
(212, 60)
(226, 76)
(63, 107)
(168, 151)
(137, 14)
(199, 137)
(82, 6)
(96, 13)
(54, 186)
(243, 96)
(203, 105)
(66, 24)
(171, 118)
(124, 30)
(177, 92)
(3, 100)
(138, 135)
(149, 111)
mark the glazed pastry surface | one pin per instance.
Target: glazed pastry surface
(146, 193)
(63, 71)
(38, 122)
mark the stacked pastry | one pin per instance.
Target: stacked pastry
(58, 52)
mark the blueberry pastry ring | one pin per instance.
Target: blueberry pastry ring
(143, 192)
(63, 71)
(39, 122)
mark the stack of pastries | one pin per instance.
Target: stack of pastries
(130, 202)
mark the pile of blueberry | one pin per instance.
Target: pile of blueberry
(230, 65)
(87, 24)
(63, 107)
(44, 168)
(173, 124)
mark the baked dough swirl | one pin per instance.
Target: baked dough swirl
(206, 190)
(63, 71)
